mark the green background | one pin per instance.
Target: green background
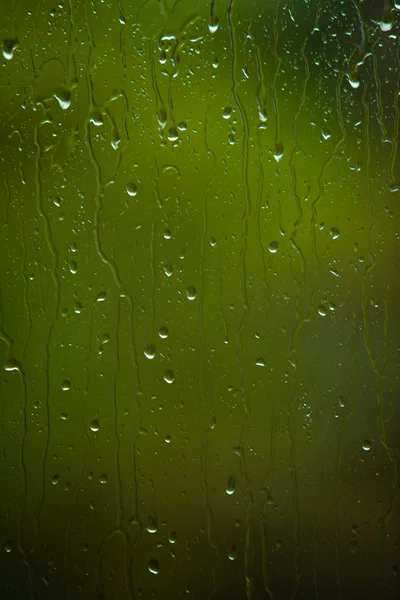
(199, 258)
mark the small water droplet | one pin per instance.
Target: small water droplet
(95, 426)
(191, 292)
(231, 487)
(227, 112)
(66, 385)
(97, 119)
(215, 62)
(213, 241)
(260, 362)
(169, 376)
(55, 479)
(168, 269)
(367, 445)
(326, 134)
(101, 297)
(163, 332)
(103, 479)
(341, 401)
(152, 525)
(150, 351)
(131, 189)
(154, 566)
(8, 546)
(73, 267)
(232, 553)
(335, 233)
(64, 416)
(172, 134)
(172, 538)
(167, 234)
(278, 154)
(322, 310)
(273, 247)
(167, 439)
(182, 126)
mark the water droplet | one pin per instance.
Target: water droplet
(367, 445)
(11, 364)
(231, 487)
(101, 297)
(103, 479)
(64, 416)
(172, 134)
(278, 154)
(213, 24)
(191, 292)
(172, 538)
(73, 267)
(322, 310)
(332, 306)
(66, 385)
(96, 119)
(167, 439)
(232, 553)
(150, 351)
(163, 332)
(8, 546)
(152, 525)
(55, 479)
(326, 134)
(168, 269)
(227, 112)
(167, 234)
(273, 247)
(213, 241)
(231, 139)
(169, 376)
(335, 233)
(95, 426)
(63, 98)
(154, 566)
(215, 62)
(260, 362)
(8, 48)
(182, 126)
(341, 401)
(354, 82)
(131, 189)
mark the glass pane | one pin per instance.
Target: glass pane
(199, 328)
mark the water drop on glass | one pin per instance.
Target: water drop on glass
(131, 189)
(167, 439)
(103, 479)
(230, 488)
(150, 351)
(95, 426)
(163, 332)
(8, 546)
(73, 267)
(191, 292)
(154, 566)
(367, 445)
(167, 234)
(227, 112)
(66, 385)
(322, 310)
(169, 376)
(273, 247)
(260, 362)
(11, 364)
(101, 297)
(335, 233)
(152, 525)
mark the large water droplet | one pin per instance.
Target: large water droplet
(95, 426)
(169, 376)
(191, 292)
(150, 351)
(154, 566)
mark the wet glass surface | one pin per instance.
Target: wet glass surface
(199, 288)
